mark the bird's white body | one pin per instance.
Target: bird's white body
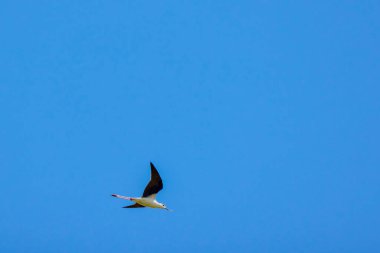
(148, 202)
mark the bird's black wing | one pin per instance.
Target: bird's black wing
(133, 206)
(155, 184)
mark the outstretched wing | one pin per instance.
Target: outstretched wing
(133, 206)
(155, 184)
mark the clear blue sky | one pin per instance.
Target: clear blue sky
(262, 117)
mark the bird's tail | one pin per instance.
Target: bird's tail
(121, 197)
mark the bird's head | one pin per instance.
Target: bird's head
(164, 207)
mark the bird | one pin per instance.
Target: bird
(148, 199)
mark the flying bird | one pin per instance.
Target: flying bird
(148, 199)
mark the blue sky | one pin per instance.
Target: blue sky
(262, 118)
